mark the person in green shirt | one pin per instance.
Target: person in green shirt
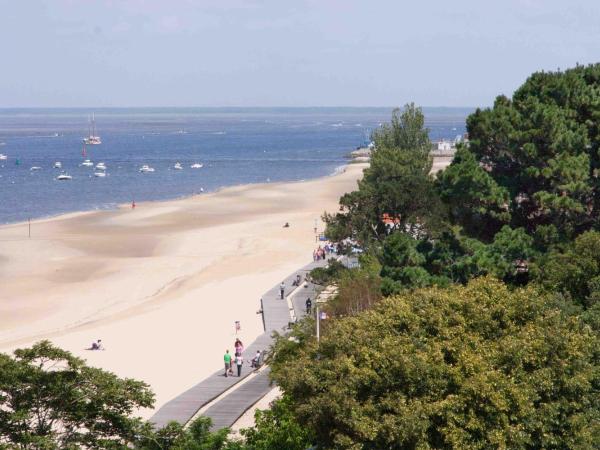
(227, 359)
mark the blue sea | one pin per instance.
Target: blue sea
(235, 145)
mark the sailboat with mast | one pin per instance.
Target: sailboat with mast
(86, 162)
(92, 139)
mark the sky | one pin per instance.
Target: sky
(82, 53)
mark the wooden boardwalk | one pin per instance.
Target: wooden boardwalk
(299, 299)
(224, 412)
(231, 407)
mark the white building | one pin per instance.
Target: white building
(444, 146)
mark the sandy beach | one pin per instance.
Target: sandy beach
(162, 284)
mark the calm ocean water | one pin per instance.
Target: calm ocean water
(235, 145)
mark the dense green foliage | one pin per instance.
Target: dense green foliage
(397, 183)
(472, 367)
(510, 204)
(474, 199)
(542, 146)
(328, 274)
(489, 365)
(197, 436)
(50, 399)
(575, 271)
(276, 429)
(358, 290)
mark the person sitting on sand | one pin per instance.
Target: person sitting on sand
(97, 345)
(287, 225)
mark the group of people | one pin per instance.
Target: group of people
(238, 359)
(322, 252)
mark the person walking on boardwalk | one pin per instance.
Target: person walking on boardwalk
(238, 362)
(227, 360)
(308, 305)
(282, 289)
(239, 347)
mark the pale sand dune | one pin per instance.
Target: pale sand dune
(161, 285)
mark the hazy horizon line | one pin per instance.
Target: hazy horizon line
(4, 108)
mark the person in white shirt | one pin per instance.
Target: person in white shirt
(256, 360)
(238, 362)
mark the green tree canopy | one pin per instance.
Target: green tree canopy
(474, 199)
(541, 147)
(574, 271)
(50, 399)
(196, 436)
(397, 183)
(472, 367)
(276, 429)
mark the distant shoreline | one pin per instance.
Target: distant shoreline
(236, 146)
(226, 109)
(120, 206)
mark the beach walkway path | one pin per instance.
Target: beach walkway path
(218, 396)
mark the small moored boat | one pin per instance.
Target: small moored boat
(196, 166)
(58, 165)
(178, 166)
(146, 169)
(64, 177)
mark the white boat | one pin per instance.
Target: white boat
(3, 157)
(101, 166)
(100, 174)
(87, 163)
(34, 168)
(58, 165)
(196, 166)
(92, 139)
(178, 166)
(64, 177)
(146, 169)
